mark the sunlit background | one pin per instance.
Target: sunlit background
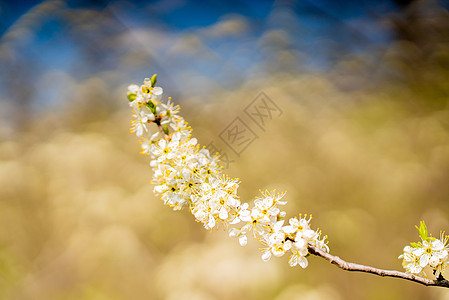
(362, 142)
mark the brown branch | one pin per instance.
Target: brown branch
(348, 266)
(157, 121)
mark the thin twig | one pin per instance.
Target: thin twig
(159, 126)
(348, 266)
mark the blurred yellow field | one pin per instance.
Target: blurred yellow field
(366, 154)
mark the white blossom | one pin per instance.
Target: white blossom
(187, 176)
(430, 253)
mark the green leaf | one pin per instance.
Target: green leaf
(132, 97)
(422, 231)
(165, 129)
(152, 107)
(153, 80)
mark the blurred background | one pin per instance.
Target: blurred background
(362, 143)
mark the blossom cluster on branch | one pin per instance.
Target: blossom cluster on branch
(430, 253)
(187, 176)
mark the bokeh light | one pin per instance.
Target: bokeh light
(362, 142)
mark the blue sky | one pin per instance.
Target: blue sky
(185, 14)
(337, 21)
(219, 41)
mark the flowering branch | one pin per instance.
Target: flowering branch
(189, 177)
(348, 266)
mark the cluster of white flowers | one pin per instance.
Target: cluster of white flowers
(264, 222)
(186, 175)
(430, 253)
